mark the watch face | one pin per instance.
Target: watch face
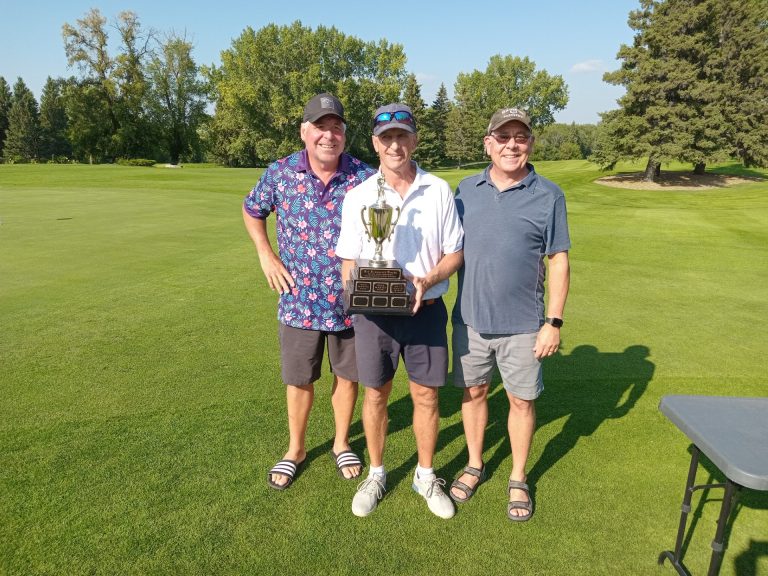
(556, 322)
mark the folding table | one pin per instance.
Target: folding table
(733, 434)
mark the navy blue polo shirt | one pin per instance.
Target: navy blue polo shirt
(507, 234)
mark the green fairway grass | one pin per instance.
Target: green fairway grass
(141, 403)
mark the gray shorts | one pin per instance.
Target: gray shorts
(475, 356)
(301, 354)
(421, 340)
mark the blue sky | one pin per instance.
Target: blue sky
(577, 40)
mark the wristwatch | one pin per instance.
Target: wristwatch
(556, 322)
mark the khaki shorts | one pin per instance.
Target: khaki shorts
(301, 354)
(476, 355)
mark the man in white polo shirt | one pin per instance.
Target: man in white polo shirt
(427, 244)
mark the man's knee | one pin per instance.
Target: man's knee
(476, 394)
(424, 397)
(377, 397)
(520, 406)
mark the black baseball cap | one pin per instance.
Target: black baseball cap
(322, 105)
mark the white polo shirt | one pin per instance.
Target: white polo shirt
(428, 226)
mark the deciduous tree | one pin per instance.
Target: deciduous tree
(88, 131)
(118, 81)
(177, 98)
(267, 76)
(507, 82)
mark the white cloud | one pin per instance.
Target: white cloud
(587, 67)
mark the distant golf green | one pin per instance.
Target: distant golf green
(141, 403)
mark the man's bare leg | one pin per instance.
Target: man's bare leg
(521, 425)
(426, 419)
(299, 402)
(343, 399)
(375, 421)
(474, 416)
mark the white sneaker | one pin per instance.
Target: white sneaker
(368, 494)
(438, 501)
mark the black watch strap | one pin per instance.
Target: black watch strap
(556, 322)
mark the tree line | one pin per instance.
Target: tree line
(695, 80)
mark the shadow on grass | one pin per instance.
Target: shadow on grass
(586, 386)
(738, 170)
(746, 562)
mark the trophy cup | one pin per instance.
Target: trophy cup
(377, 285)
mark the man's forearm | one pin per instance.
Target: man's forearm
(558, 284)
(448, 264)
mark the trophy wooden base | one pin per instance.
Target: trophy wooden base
(377, 289)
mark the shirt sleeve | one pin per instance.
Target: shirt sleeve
(260, 201)
(453, 232)
(557, 237)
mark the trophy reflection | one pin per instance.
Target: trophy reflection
(377, 285)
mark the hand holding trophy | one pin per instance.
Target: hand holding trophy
(378, 285)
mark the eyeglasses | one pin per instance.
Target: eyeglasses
(504, 138)
(399, 116)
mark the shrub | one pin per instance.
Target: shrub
(135, 162)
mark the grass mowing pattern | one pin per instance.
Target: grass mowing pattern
(141, 403)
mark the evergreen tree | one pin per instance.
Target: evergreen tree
(695, 85)
(22, 141)
(6, 98)
(412, 98)
(742, 27)
(432, 134)
(465, 128)
(53, 121)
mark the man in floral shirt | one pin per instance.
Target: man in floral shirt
(306, 191)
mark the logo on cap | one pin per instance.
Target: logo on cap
(326, 102)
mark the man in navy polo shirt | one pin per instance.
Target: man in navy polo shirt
(306, 191)
(514, 221)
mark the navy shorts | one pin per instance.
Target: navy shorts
(421, 340)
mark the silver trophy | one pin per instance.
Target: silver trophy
(379, 226)
(378, 286)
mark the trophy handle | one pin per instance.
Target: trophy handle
(397, 217)
(365, 224)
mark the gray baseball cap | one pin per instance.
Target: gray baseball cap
(395, 115)
(504, 115)
(322, 105)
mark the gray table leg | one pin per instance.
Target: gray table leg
(731, 490)
(676, 557)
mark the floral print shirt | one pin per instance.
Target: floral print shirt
(308, 223)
